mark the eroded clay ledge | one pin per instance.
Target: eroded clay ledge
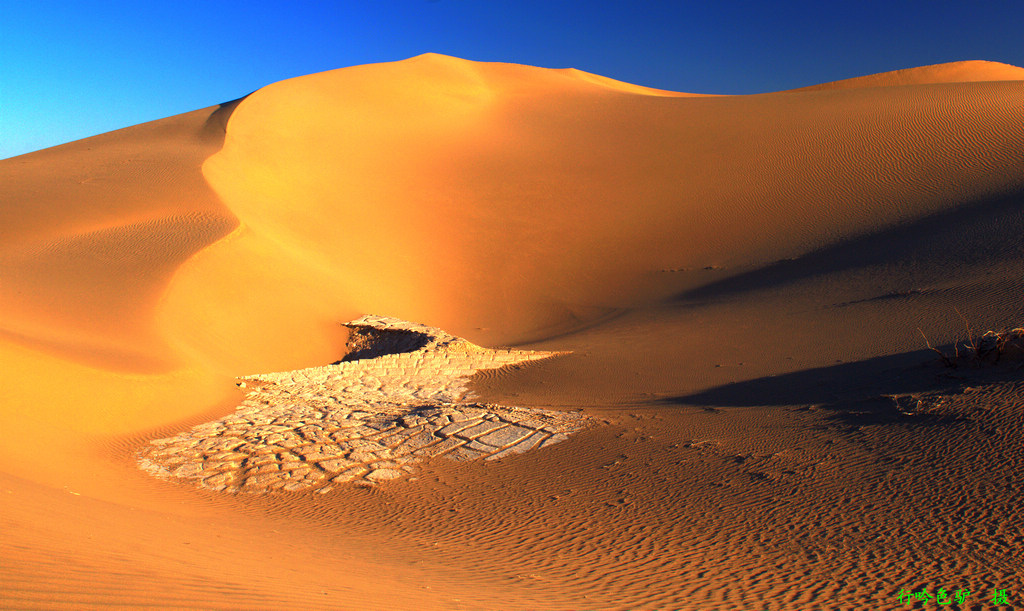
(398, 399)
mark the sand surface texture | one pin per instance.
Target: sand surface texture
(400, 399)
(739, 289)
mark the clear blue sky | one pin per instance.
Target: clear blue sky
(76, 68)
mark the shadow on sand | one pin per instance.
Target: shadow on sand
(949, 240)
(874, 391)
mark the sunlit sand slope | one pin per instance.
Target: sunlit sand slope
(739, 280)
(520, 200)
(953, 72)
(92, 231)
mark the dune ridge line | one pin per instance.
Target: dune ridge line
(740, 278)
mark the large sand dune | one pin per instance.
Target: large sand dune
(740, 279)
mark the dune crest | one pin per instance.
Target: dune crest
(736, 284)
(92, 231)
(460, 167)
(624, 87)
(971, 71)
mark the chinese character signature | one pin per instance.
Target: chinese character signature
(942, 597)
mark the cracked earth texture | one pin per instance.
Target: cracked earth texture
(399, 397)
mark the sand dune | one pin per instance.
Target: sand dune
(953, 72)
(501, 178)
(740, 280)
(87, 250)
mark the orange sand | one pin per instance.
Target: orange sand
(741, 280)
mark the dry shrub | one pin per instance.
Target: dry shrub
(1003, 345)
(990, 347)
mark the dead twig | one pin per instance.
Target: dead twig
(948, 362)
(971, 341)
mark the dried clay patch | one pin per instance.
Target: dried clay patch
(398, 399)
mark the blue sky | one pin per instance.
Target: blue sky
(73, 69)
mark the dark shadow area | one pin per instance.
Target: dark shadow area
(217, 123)
(896, 389)
(864, 383)
(910, 372)
(970, 234)
(366, 342)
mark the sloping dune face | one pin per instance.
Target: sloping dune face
(953, 72)
(92, 231)
(520, 199)
(142, 270)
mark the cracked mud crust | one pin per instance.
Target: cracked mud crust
(398, 398)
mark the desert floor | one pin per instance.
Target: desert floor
(740, 288)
